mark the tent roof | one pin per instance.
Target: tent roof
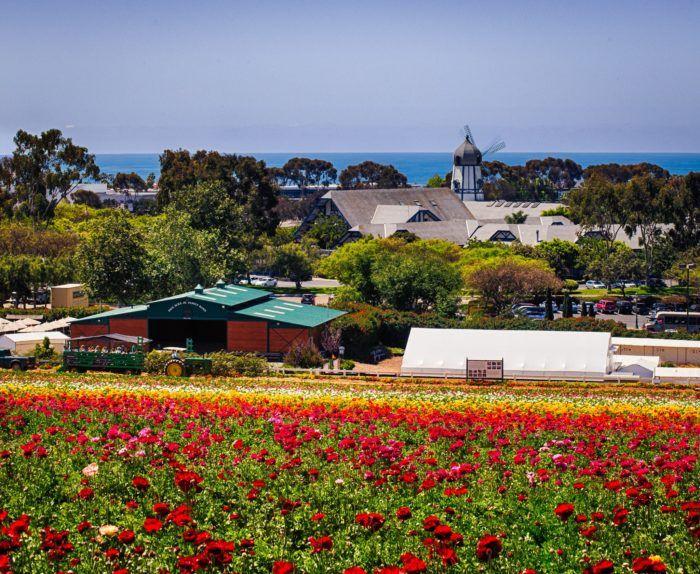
(521, 351)
(291, 313)
(649, 342)
(114, 337)
(38, 336)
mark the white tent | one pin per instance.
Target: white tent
(24, 343)
(525, 354)
(641, 366)
(57, 325)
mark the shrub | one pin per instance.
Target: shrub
(155, 361)
(231, 364)
(304, 354)
(347, 365)
(44, 350)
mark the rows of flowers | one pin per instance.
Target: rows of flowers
(114, 474)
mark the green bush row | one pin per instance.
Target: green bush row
(57, 313)
(223, 363)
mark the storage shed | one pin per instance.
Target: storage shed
(24, 343)
(224, 317)
(564, 355)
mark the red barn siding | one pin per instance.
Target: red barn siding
(135, 327)
(247, 336)
(282, 338)
(87, 329)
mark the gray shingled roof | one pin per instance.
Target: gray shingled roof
(359, 205)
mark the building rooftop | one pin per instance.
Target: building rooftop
(291, 313)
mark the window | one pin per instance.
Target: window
(502, 235)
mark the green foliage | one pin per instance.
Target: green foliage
(370, 174)
(303, 354)
(128, 181)
(44, 351)
(412, 276)
(562, 210)
(347, 365)
(561, 256)
(616, 173)
(537, 180)
(41, 171)
(231, 364)
(517, 217)
(293, 262)
(436, 181)
(112, 261)
(305, 172)
(154, 362)
(327, 231)
(235, 186)
(621, 263)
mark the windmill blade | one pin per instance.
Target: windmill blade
(494, 147)
(468, 133)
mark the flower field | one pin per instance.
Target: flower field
(104, 473)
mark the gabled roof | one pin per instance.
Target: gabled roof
(394, 213)
(290, 313)
(131, 310)
(358, 206)
(228, 295)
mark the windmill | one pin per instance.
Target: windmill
(466, 171)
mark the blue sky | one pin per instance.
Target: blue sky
(293, 75)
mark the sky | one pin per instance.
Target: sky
(382, 75)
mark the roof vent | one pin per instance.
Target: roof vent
(221, 283)
(199, 289)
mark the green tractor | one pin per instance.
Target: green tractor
(189, 364)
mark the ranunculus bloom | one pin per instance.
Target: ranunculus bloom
(370, 520)
(403, 513)
(108, 530)
(140, 483)
(412, 564)
(126, 536)
(282, 567)
(152, 525)
(354, 570)
(320, 544)
(488, 547)
(648, 565)
(91, 469)
(564, 510)
(603, 567)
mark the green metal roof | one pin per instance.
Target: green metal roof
(291, 313)
(228, 295)
(132, 310)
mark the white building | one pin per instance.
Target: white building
(563, 355)
(466, 171)
(24, 343)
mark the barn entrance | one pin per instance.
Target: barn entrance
(207, 336)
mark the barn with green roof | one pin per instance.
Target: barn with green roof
(224, 317)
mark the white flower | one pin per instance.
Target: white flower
(339, 481)
(91, 469)
(108, 530)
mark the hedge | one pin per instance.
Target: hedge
(223, 364)
(57, 313)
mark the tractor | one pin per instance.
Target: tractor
(184, 366)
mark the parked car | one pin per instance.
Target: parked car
(308, 299)
(591, 284)
(624, 307)
(657, 308)
(533, 312)
(605, 306)
(16, 363)
(555, 307)
(640, 308)
(263, 281)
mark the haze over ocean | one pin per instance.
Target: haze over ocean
(418, 167)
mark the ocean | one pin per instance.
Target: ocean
(418, 167)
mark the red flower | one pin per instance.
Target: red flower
(140, 483)
(126, 536)
(430, 523)
(282, 567)
(186, 480)
(370, 520)
(488, 547)
(354, 570)
(564, 510)
(86, 493)
(161, 508)
(603, 567)
(152, 525)
(320, 544)
(648, 565)
(412, 564)
(403, 513)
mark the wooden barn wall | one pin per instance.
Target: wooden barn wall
(248, 336)
(282, 338)
(135, 327)
(88, 329)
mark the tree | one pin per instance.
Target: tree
(293, 262)
(561, 256)
(683, 197)
(436, 181)
(305, 172)
(616, 267)
(646, 206)
(517, 217)
(181, 256)
(327, 231)
(87, 197)
(601, 207)
(246, 181)
(112, 260)
(503, 281)
(128, 181)
(42, 170)
(371, 174)
(616, 173)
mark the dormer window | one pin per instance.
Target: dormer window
(503, 235)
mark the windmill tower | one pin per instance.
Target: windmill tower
(466, 169)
